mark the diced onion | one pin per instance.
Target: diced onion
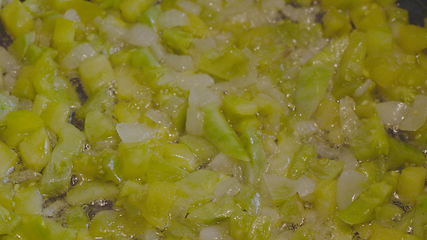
(159, 51)
(112, 27)
(23, 176)
(151, 235)
(159, 117)
(305, 128)
(303, 15)
(194, 121)
(212, 4)
(195, 81)
(173, 18)
(392, 112)
(79, 53)
(9, 81)
(271, 213)
(72, 15)
(141, 35)
(278, 186)
(135, 132)
(203, 96)
(304, 186)
(179, 62)
(416, 116)
(195, 118)
(221, 163)
(363, 88)
(189, 6)
(350, 161)
(186, 81)
(204, 44)
(7, 61)
(349, 186)
(228, 186)
(349, 119)
(55, 208)
(325, 149)
(212, 233)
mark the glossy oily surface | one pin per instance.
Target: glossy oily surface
(212, 120)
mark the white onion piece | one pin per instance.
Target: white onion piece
(221, 163)
(179, 62)
(202, 96)
(7, 61)
(279, 187)
(349, 186)
(186, 81)
(272, 213)
(23, 176)
(212, 233)
(304, 186)
(350, 161)
(363, 88)
(173, 18)
(159, 51)
(227, 187)
(8, 104)
(195, 81)
(194, 121)
(168, 78)
(303, 15)
(151, 234)
(112, 27)
(141, 35)
(9, 81)
(325, 150)
(135, 132)
(204, 44)
(392, 112)
(287, 147)
(72, 15)
(305, 128)
(189, 6)
(79, 53)
(159, 117)
(195, 116)
(54, 209)
(215, 5)
(349, 119)
(416, 116)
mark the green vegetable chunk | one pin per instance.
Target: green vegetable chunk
(362, 209)
(220, 133)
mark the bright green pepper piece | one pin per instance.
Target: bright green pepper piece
(248, 227)
(220, 133)
(17, 18)
(362, 209)
(57, 175)
(312, 84)
(411, 183)
(35, 150)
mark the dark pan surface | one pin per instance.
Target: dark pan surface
(417, 10)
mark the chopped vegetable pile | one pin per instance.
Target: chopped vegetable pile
(212, 120)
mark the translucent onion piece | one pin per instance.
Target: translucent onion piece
(392, 112)
(135, 132)
(416, 116)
